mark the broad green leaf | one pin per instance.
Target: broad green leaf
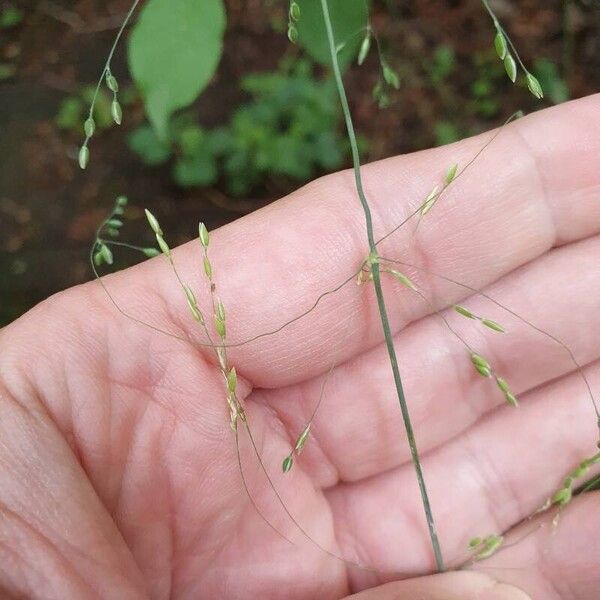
(349, 19)
(174, 50)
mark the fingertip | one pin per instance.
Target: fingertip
(447, 586)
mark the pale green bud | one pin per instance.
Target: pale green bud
(563, 496)
(301, 441)
(430, 201)
(491, 545)
(451, 174)
(153, 222)
(501, 46)
(207, 267)
(364, 48)
(150, 252)
(390, 76)
(220, 311)
(220, 327)
(511, 67)
(106, 253)
(203, 234)
(287, 464)
(534, 86)
(493, 325)
(112, 83)
(163, 245)
(84, 156)
(117, 112)
(190, 295)
(461, 310)
(295, 11)
(89, 127)
(292, 34)
(232, 380)
(403, 279)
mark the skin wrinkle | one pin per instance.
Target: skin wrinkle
(74, 548)
(549, 578)
(49, 545)
(150, 442)
(482, 466)
(172, 530)
(19, 576)
(531, 153)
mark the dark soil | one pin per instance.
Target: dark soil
(49, 209)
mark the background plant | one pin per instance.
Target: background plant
(58, 48)
(289, 128)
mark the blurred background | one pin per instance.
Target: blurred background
(267, 122)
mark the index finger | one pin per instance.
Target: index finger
(533, 188)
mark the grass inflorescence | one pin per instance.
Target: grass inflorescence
(373, 268)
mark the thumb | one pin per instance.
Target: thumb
(446, 586)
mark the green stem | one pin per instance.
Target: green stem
(375, 269)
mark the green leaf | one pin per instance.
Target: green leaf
(10, 17)
(550, 80)
(349, 19)
(69, 113)
(174, 50)
(442, 64)
(145, 143)
(191, 140)
(446, 132)
(195, 171)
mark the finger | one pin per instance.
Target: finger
(482, 482)
(447, 586)
(356, 432)
(554, 562)
(511, 206)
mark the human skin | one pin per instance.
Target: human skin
(119, 476)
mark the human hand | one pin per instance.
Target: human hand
(119, 470)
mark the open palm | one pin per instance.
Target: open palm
(120, 476)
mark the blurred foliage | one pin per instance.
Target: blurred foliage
(10, 17)
(441, 65)
(554, 85)
(447, 132)
(485, 89)
(173, 54)
(7, 70)
(288, 128)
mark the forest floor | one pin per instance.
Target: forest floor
(450, 84)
